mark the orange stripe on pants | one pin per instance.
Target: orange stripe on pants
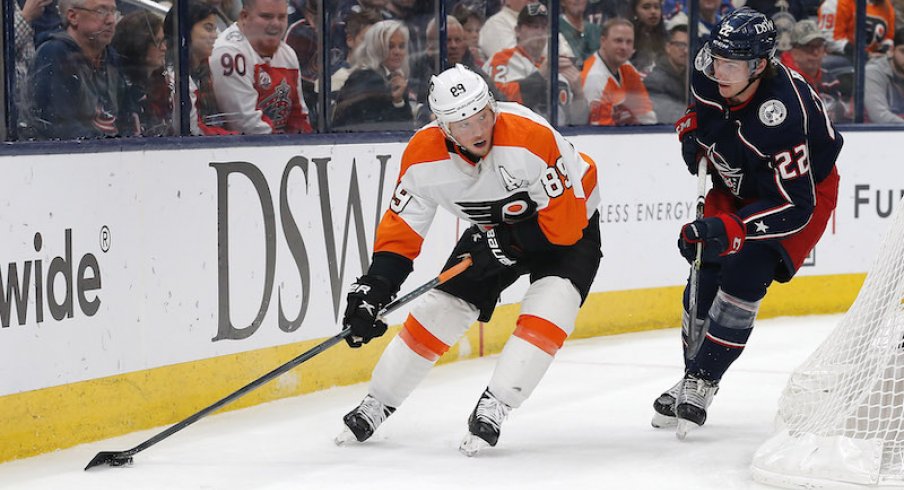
(421, 341)
(542, 333)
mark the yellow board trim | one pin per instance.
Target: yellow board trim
(39, 421)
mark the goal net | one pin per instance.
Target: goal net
(841, 416)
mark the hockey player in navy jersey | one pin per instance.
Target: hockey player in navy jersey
(532, 200)
(771, 150)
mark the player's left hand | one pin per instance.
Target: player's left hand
(494, 250)
(721, 235)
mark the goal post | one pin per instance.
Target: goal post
(840, 421)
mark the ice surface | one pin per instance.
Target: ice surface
(587, 426)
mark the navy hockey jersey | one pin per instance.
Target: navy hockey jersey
(770, 152)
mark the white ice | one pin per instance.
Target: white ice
(587, 426)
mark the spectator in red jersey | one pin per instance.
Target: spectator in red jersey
(255, 74)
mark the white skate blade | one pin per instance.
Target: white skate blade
(345, 437)
(661, 421)
(684, 426)
(471, 445)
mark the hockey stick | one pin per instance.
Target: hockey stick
(693, 333)
(120, 458)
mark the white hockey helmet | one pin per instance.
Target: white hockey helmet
(458, 93)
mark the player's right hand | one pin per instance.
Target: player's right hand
(365, 300)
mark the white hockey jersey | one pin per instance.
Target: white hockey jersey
(530, 170)
(257, 95)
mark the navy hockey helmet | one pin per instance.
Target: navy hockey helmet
(744, 34)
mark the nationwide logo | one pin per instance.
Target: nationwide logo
(35, 282)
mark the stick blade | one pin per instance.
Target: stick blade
(110, 458)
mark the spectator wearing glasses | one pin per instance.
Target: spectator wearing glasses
(667, 83)
(140, 42)
(884, 85)
(613, 87)
(255, 74)
(77, 89)
(582, 35)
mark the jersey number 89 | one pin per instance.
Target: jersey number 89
(553, 178)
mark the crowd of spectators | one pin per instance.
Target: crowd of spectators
(97, 68)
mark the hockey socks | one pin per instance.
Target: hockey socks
(730, 324)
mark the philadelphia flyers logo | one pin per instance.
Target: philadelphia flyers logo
(510, 209)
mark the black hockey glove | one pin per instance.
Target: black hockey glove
(721, 235)
(493, 250)
(367, 297)
(686, 127)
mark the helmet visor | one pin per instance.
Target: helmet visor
(723, 70)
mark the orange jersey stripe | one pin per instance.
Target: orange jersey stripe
(542, 333)
(589, 181)
(421, 341)
(396, 236)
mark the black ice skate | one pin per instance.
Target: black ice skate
(484, 424)
(693, 399)
(361, 422)
(664, 407)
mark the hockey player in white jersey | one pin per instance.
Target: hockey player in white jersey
(255, 74)
(532, 199)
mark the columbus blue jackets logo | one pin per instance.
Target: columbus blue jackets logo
(773, 112)
(730, 175)
(510, 209)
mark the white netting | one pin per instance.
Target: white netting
(841, 416)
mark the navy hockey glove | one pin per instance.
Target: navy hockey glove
(686, 127)
(721, 235)
(367, 297)
(493, 250)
